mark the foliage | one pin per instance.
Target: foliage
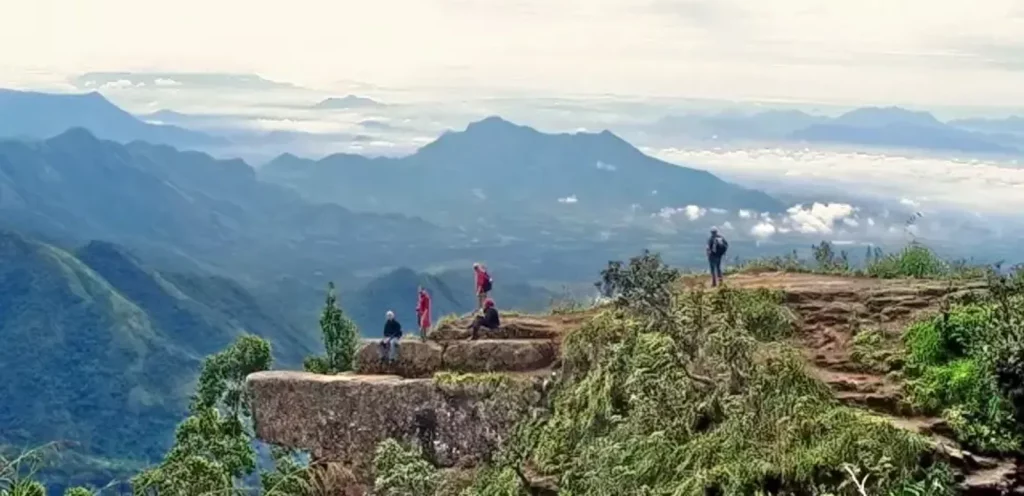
(789, 262)
(341, 338)
(402, 471)
(913, 261)
(212, 446)
(828, 260)
(697, 397)
(874, 351)
(959, 364)
(645, 283)
(18, 473)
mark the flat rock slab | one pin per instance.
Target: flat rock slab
(550, 327)
(342, 418)
(422, 359)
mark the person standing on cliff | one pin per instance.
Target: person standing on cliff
(717, 246)
(483, 285)
(392, 335)
(423, 312)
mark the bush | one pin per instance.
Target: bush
(913, 261)
(702, 397)
(952, 372)
(402, 471)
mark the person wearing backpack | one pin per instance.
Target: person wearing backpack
(423, 312)
(717, 246)
(484, 285)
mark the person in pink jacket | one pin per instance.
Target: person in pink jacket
(423, 312)
(483, 285)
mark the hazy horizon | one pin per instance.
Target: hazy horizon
(854, 53)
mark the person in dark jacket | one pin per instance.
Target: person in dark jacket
(489, 319)
(392, 335)
(717, 246)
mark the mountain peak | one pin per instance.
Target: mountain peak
(494, 124)
(348, 102)
(886, 116)
(74, 135)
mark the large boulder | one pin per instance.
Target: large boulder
(415, 358)
(458, 421)
(422, 359)
(513, 326)
(500, 355)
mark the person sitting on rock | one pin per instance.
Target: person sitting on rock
(488, 319)
(392, 335)
(423, 312)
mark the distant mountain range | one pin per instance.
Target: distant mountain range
(496, 168)
(883, 127)
(188, 80)
(348, 102)
(101, 350)
(32, 115)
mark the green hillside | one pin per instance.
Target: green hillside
(101, 352)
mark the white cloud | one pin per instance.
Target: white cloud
(693, 212)
(119, 84)
(819, 218)
(603, 166)
(479, 193)
(166, 82)
(718, 210)
(975, 185)
(909, 203)
(762, 230)
(727, 226)
(569, 199)
(746, 214)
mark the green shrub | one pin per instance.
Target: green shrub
(953, 372)
(703, 397)
(402, 471)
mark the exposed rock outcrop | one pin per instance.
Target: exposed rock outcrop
(423, 359)
(343, 418)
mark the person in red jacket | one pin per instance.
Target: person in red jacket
(423, 312)
(483, 285)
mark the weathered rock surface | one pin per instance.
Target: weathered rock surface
(549, 327)
(415, 359)
(422, 359)
(342, 418)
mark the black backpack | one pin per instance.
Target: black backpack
(719, 246)
(488, 284)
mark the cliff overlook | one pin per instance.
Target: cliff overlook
(781, 382)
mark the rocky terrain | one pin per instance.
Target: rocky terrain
(341, 418)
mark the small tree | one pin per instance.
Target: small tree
(213, 446)
(341, 336)
(644, 283)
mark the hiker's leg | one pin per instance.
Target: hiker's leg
(714, 277)
(475, 327)
(394, 349)
(718, 269)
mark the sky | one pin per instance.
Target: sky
(916, 52)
